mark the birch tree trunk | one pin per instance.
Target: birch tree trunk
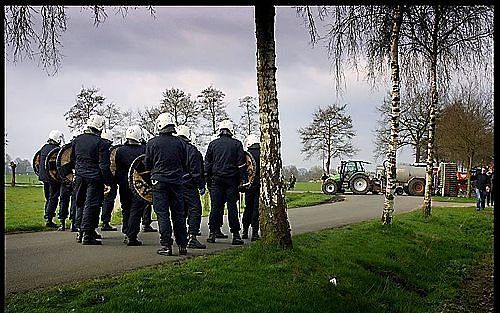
(395, 110)
(427, 206)
(274, 223)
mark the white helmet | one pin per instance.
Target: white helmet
(164, 120)
(96, 121)
(226, 124)
(107, 135)
(56, 135)
(183, 130)
(134, 132)
(251, 139)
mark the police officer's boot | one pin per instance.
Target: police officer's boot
(96, 234)
(195, 243)
(90, 239)
(148, 229)
(79, 236)
(74, 229)
(220, 234)
(245, 233)
(211, 236)
(237, 239)
(134, 242)
(63, 226)
(51, 224)
(165, 250)
(125, 239)
(107, 227)
(255, 235)
(183, 250)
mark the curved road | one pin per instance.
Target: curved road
(37, 260)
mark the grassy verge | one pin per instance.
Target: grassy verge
(454, 199)
(297, 200)
(307, 186)
(412, 266)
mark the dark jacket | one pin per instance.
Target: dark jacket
(225, 158)
(43, 174)
(124, 157)
(482, 180)
(195, 177)
(166, 157)
(90, 154)
(254, 150)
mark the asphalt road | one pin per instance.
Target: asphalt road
(42, 259)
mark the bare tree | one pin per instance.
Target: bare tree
(212, 106)
(413, 123)
(444, 39)
(178, 103)
(273, 209)
(87, 102)
(464, 131)
(330, 133)
(249, 120)
(147, 117)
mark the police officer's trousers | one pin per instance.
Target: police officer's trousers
(168, 200)
(108, 204)
(224, 191)
(192, 207)
(90, 194)
(146, 216)
(251, 212)
(51, 191)
(132, 211)
(66, 190)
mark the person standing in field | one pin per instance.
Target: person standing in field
(482, 181)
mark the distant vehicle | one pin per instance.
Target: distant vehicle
(351, 176)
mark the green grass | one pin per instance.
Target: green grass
(23, 179)
(24, 207)
(297, 200)
(415, 265)
(454, 199)
(307, 186)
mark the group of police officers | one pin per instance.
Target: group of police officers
(179, 175)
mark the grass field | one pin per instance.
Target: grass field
(454, 199)
(23, 179)
(415, 265)
(24, 207)
(307, 186)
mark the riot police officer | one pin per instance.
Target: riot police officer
(132, 206)
(252, 192)
(226, 169)
(109, 198)
(166, 157)
(51, 187)
(194, 185)
(73, 209)
(90, 154)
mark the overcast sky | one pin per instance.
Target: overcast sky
(133, 60)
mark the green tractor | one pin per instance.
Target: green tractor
(351, 176)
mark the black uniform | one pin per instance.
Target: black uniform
(251, 212)
(51, 188)
(91, 156)
(192, 182)
(109, 200)
(225, 168)
(166, 157)
(132, 206)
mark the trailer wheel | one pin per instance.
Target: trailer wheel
(329, 187)
(416, 187)
(359, 184)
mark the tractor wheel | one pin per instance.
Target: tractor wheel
(359, 184)
(399, 191)
(329, 187)
(416, 187)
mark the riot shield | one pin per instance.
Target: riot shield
(36, 162)
(50, 165)
(140, 180)
(65, 168)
